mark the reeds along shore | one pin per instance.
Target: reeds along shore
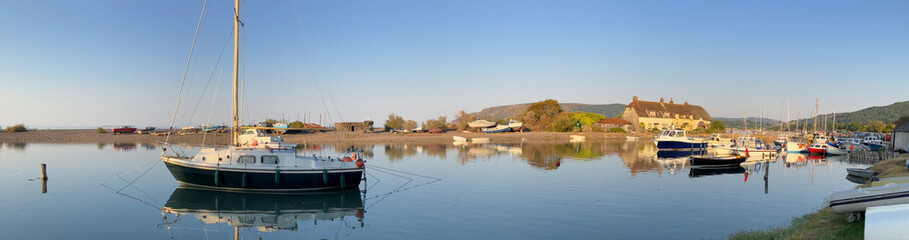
(92, 136)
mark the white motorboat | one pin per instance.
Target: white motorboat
(857, 200)
(515, 125)
(482, 123)
(796, 147)
(747, 146)
(676, 140)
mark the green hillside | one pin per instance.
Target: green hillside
(502, 112)
(886, 114)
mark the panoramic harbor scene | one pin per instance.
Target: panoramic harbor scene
(454, 120)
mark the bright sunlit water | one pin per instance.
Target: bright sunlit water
(591, 190)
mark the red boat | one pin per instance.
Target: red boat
(123, 129)
(817, 149)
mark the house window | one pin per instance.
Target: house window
(246, 159)
(269, 159)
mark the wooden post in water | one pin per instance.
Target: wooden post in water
(43, 171)
(43, 186)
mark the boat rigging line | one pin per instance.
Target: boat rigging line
(185, 69)
(208, 123)
(401, 188)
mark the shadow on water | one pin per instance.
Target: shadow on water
(262, 212)
(18, 146)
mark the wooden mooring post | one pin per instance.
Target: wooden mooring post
(43, 171)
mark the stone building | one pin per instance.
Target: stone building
(661, 115)
(364, 126)
(611, 123)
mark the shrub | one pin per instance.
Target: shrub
(17, 128)
(616, 130)
(655, 130)
(101, 130)
(596, 129)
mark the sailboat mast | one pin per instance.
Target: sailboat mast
(236, 129)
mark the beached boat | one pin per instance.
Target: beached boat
(123, 129)
(147, 130)
(212, 128)
(256, 162)
(515, 125)
(631, 138)
(459, 138)
(717, 160)
(676, 140)
(482, 123)
(857, 200)
(280, 127)
(861, 172)
(577, 137)
(497, 129)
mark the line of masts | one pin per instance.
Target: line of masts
(800, 126)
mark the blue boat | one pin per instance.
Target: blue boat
(497, 129)
(675, 140)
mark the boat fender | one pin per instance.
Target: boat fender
(360, 163)
(324, 176)
(217, 172)
(244, 180)
(277, 177)
(343, 181)
(354, 155)
(255, 143)
(348, 159)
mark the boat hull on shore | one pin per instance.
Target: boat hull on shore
(857, 200)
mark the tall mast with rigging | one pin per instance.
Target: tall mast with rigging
(235, 132)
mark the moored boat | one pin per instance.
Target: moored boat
(675, 139)
(459, 138)
(123, 129)
(257, 162)
(717, 160)
(796, 147)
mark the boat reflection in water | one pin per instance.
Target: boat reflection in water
(262, 211)
(708, 171)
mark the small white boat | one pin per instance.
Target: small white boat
(860, 172)
(577, 137)
(482, 123)
(497, 129)
(631, 138)
(514, 125)
(857, 200)
(796, 147)
(459, 138)
(676, 140)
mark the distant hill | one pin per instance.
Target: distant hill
(753, 122)
(501, 112)
(886, 114)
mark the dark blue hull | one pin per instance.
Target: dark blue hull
(271, 181)
(678, 154)
(680, 146)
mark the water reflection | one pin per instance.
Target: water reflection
(263, 212)
(19, 146)
(124, 147)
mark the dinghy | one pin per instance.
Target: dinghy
(715, 161)
(857, 200)
(861, 172)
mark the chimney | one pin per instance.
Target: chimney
(670, 101)
(634, 101)
(661, 99)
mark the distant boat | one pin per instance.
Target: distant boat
(717, 161)
(497, 129)
(212, 128)
(631, 138)
(482, 123)
(675, 139)
(857, 200)
(825, 149)
(780, 141)
(577, 137)
(280, 127)
(459, 138)
(123, 129)
(147, 130)
(435, 130)
(796, 147)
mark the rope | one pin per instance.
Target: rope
(205, 133)
(312, 71)
(185, 69)
(210, 76)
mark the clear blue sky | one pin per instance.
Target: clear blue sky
(89, 63)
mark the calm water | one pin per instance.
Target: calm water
(416, 191)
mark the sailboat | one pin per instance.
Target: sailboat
(257, 162)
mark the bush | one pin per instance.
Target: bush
(101, 130)
(616, 130)
(596, 129)
(17, 128)
(655, 130)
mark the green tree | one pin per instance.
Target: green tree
(562, 123)
(409, 125)
(462, 119)
(440, 123)
(585, 118)
(540, 115)
(717, 126)
(394, 122)
(876, 126)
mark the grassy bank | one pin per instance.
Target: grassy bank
(825, 224)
